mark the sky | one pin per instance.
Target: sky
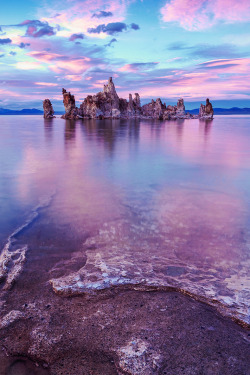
(192, 49)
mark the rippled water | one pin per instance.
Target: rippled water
(161, 204)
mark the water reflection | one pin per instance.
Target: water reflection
(110, 132)
(205, 127)
(70, 131)
(48, 129)
(161, 203)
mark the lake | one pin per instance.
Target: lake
(147, 204)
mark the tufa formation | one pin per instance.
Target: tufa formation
(107, 104)
(206, 111)
(48, 111)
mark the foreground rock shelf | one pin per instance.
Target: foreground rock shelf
(107, 104)
(116, 331)
(127, 332)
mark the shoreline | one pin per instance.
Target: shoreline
(115, 331)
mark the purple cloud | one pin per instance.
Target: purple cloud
(76, 36)
(5, 41)
(111, 42)
(36, 29)
(32, 31)
(102, 14)
(112, 28)
(23, 45)
(35, 23)
(134, 26)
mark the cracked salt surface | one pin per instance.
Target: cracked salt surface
(137, 357)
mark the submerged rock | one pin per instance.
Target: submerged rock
(48, 109)
(206, 111)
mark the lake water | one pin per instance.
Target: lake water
(152, 204)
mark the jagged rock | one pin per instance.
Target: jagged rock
(170, 112)
(130, 104)
(107, 104)
(180, 108)
(134, 106)
(137, 100)
(206, 111)
(48, 109)
(155, 109)
(109, 89)
(71, 111)
(175, 111)
(123, 106)
(97, 106)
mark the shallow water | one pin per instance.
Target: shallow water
(161, 203)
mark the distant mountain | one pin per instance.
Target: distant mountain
(225, 111)
(33, 111)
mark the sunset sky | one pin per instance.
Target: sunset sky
(160, 48)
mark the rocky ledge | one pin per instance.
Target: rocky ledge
(107, 104)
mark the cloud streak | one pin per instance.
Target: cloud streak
(112, 41)
(225, 50)
(137, 67)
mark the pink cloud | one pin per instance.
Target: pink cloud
(63, 64)
(219, 79)
(77, 66)
(49, 84)
(201, 14)
(240, 65)
(137, 67)
(73, 77)
(45, 56)
(128, 68)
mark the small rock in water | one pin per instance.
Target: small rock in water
(48, 109)
(206, 111)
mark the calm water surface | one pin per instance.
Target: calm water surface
(161, 204)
